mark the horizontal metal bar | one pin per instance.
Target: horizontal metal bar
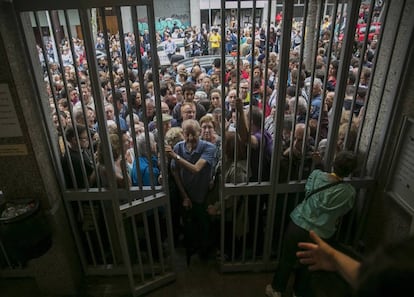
(291, 187)
(122, 270)
(155, 284)
(96, 194)
(140, 206)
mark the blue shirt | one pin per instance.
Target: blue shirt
(196, 185)
(315, 107)
(144, 168)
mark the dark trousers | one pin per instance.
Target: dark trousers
(197, 228)
(289, 263)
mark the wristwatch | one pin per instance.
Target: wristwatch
(177, 157)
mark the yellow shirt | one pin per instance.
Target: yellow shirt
(215, 40)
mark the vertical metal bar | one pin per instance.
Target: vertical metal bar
(72, 49)
(346, 54)
(138, 248)
(86, 20)
(127, 87)
(379, 104)
(358, 78)
(148, 242)
(75, 231)
(233, 235)
(158, 239)
(306, 133)
(108, 233)
(223, 237)
(279, 115)
(374, 68)
(49, 76)
(98, 231)
(141, 90)
(87, 234)
(328, 62)
(156, 81)
(3, 250)
(246, 213)
(271, 205)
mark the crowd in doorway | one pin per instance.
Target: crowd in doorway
(192, 104)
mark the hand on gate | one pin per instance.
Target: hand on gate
(187, 203)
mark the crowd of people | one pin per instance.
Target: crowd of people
(192, 104)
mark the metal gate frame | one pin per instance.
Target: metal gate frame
(151, 198)
(117, 206)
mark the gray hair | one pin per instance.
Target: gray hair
(302, 105)
(142, 144)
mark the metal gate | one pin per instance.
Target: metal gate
(317, 45)
(116, 199)
(122, 228)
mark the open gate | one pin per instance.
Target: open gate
(125, 227)
(121, 225)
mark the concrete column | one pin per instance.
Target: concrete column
(195, 18)
(32, 175)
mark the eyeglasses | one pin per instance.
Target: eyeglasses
(189, 111)
(206, 127)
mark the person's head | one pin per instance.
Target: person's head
(302, 106)
(200, 96)
(86, 95)
(109, 112)
(348, 135)
(229, 144)
(150, 88)
(215, 98)
(255, 116)
(191, 132)
(333, 68)
(206, 83)
(207, 125)
(345, 163)
(257, 71)
(70, 134)
(55, 118)
(150, 108)
(142, 145)
(188, 111)
(231, 97)
(189, 90)
(317, 87)
(301, 134)
(244, 89)
(329, 99)
(165, 109)
(115, 145)
(174, 135)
